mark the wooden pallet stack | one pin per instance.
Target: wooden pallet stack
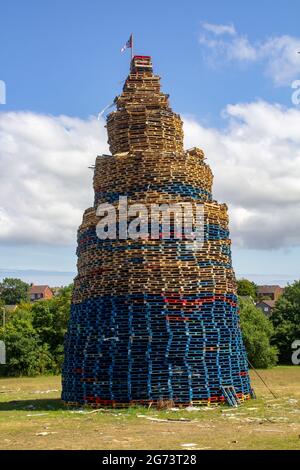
(153, 319)
(143, 119)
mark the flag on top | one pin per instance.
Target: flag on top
(128, 45)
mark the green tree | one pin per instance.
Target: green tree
(257, 331)
(13, 291)
(25, 354)
(246, 288)
(49, 320)
(34, 336)
(286, 321)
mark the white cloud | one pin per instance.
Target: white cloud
(282, 58)
(45, 183)
(256, 162)
(279, 55)
(241, 49)
(220, 29)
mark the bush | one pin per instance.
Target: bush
(24, 352)
(286, 321)
(257, 331)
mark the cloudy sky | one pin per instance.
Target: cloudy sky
(233, 73)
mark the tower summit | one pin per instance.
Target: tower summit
(143, 120)
(153, 318)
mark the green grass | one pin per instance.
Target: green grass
(33, 417)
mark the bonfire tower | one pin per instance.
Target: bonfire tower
(153, 319)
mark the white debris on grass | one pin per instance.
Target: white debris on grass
(256, 420)
(188, 408)
(168, 420)
(79, 411)
(268, 430)
(87, 412)
(192, 408)
(206, 426)
(153, 419)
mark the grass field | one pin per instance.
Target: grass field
(33, 417)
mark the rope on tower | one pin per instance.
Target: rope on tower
(272, 393)
(105, 109)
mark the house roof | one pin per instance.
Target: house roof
(268, 289)
(269, 303)
(38, 289)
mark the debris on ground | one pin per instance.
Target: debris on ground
(180, 419)
(166, 420)
(153, 419)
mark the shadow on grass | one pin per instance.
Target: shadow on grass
(33, 405)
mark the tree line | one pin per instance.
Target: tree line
(34, 332)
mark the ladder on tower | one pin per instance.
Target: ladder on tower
(230, 395)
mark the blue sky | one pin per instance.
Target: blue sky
(63, 58)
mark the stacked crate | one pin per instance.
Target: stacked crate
(153, 319)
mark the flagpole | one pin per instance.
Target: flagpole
(131, 46)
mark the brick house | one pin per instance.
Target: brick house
(269, 292)
(40, 293)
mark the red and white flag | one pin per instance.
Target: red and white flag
(128, 44)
